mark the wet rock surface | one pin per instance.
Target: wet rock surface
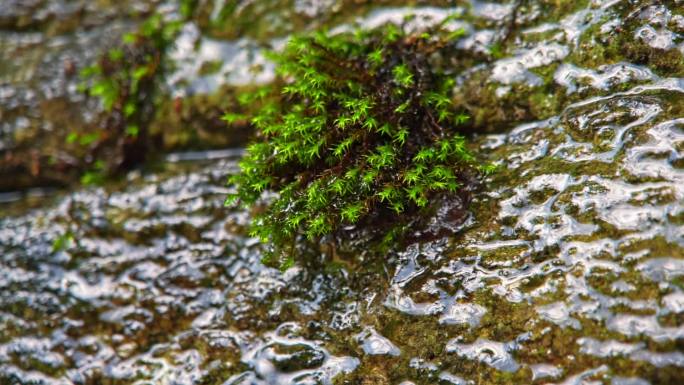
(568, 269)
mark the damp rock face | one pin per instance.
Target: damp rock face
(567, 268)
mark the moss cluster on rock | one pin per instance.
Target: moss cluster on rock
(361, 134)
(126, 80)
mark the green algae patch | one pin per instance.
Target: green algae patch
(362, 134)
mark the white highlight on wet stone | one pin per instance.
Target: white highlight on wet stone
(515, 69)
(495, 354)
(451, 379)
(656, 38)
(540, 371)
(674, 302)
(603, 78)
(610, 348)
(661, 269)
(628, 381)
(242, 63)
(559, 314)
(314, 8)
(463, 314)
(634, 351)
(635, 325)
(420, 18)
(621, 286)
(373, 343)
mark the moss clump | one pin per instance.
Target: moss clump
(361, 135)
(126, 80)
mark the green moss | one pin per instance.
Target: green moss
(362, 135)
(504, 320)
(125, 80)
